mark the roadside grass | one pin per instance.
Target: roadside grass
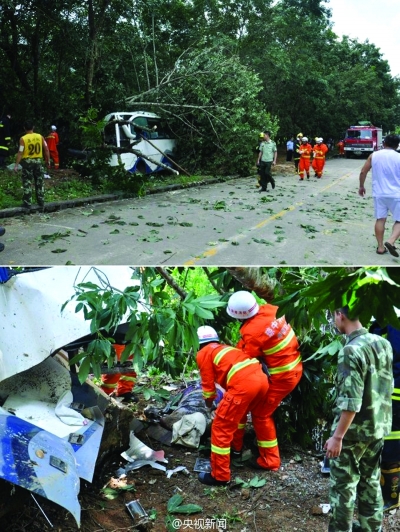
(67, 184)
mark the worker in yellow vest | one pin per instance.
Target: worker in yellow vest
(32, 149)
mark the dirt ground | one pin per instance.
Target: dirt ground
(288, 500)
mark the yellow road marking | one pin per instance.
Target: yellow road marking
(213, 251)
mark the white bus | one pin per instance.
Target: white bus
(156, 142)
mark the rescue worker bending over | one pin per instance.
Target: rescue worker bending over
(272, 341)
(246, 390)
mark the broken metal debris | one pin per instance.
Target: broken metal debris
(136, 509)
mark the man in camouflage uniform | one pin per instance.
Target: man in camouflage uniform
(363, 417)
(32, 148)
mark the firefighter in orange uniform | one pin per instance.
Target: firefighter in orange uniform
(272, 341)
(53, 140)
(305, 151)
(340, 146)
(246, 391)
(118, 384)
(319, 151)
(296, 152)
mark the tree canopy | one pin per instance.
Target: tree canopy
(219, 71)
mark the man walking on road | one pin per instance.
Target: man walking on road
(385, 166)
(267, 158)
(363, 417)
(319, 151)
(32, 147)
(305, 151)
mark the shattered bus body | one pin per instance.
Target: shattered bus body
(146, 134)
(51, 426)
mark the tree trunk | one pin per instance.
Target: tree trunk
(254, 280)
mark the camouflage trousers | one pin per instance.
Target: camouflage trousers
(32, 174)
(356, 474)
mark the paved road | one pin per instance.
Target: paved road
(320, 221)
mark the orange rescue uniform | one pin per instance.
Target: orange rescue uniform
(305, 151)
(246, 390)
(272, 340)
(52, 140)
(318, 163)
(117, 382)
(340, 145)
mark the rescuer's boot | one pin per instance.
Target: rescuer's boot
(207, 478)
(390, 484)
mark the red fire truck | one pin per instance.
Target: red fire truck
(362, 139)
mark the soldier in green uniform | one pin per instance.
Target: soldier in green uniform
(363, 417)
(266, 158)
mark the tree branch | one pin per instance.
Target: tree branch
(208, 274)
(170, 281)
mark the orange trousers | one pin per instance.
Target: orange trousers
(304, 164)
(56, 160)
(247, 392)
(318, 165)
(280, 385)
(117, 382)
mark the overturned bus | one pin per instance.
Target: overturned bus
(51, 425)
(148, 137)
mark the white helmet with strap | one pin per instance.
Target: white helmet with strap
(242, 305)
(205, 333)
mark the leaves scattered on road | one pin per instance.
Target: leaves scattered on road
(46, 239)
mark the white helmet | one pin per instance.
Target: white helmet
(304, 139)
(319, 140)
(207, 334)
(242, 305)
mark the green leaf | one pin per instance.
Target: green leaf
(256, 482)
(203, 313)
(84, 370)
(173, 503)
(187, 509)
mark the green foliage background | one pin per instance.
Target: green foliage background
(218, 71)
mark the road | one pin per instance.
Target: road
(315, 222)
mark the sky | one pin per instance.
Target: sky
(375, 20)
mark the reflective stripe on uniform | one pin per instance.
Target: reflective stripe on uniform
(240, 365)
(206, 395)
(104, 385)
(283, 343)
(394, 435)
(223, 352)
(126, 378)
(396, 394)
(220, 450)
(287, 367)
(241, 426)
(267, 444)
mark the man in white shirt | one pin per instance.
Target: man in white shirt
(385, 166)
(289, 149)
